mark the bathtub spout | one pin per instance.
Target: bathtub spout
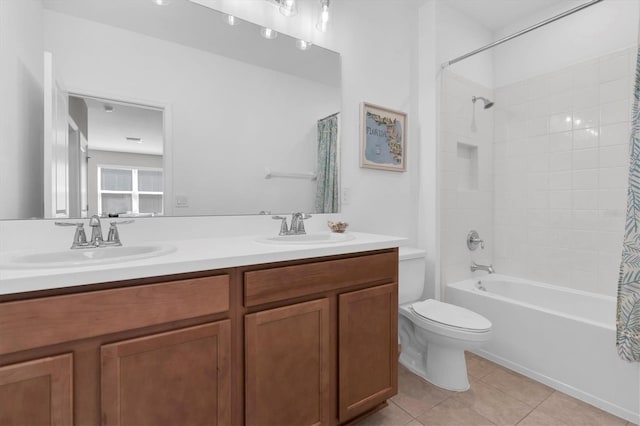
(476, 267)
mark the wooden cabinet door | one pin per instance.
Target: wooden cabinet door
(180, 377)
(38, 392)
(367, 349)
(287, 365)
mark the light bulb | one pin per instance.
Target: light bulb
(303, 45)
(231, 20)
(288, 7)
(268, 33)
(323, 18)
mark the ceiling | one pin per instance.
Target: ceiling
(193, 25)
(108, 131)
(498, 14)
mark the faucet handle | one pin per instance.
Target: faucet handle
(473, 240)
(79, 237)
(113, 236)
(284, 230)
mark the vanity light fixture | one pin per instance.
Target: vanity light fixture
(303, 45)
(268, 33)
(108, 108)
(162, 2)
(323, 17)
(288, 7)
(231, 20)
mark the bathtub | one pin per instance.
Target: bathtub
(561, 337)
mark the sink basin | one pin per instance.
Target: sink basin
(82, 257)
(319, 238)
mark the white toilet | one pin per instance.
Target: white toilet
(434, 334)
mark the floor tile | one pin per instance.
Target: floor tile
(416, 395)
(453, 412)
(574, 412)
(538, 418)
(392, 415)
(518, 386)
(479, 367)
(494, 404)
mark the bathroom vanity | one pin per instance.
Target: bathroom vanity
(311, 339)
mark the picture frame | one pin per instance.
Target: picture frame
(383, 136)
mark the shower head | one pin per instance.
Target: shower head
(487, 103)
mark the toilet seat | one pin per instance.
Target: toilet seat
(451, 316)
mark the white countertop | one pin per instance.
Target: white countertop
(187, 256)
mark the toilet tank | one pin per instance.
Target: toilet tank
(411, 274)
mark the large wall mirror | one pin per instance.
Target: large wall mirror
(164, 110)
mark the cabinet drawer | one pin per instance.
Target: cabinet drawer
(47, 321)
(288, 282)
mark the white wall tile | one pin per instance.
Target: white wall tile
(559, 180)
(585, 138)
(560, 141)
(615, 90)
(584, 199)
(613, 177)
(614, 67)
(586, 74)
(585, 118)
(537, 126)
(585, 179)
(560, 161)
(611, 198)
(615, 112)
(586, 97)
(615, 134)
(614, 156)
(560, 199)
(585, 159)
(560, 122)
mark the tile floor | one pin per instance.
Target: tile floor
(498, 396)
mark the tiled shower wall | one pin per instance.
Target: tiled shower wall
(466, 179)
(560, 158)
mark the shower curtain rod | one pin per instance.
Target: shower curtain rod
(519, 33)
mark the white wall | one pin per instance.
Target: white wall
(222, 140)
(459, 34)
(378, 48)
(595, 31)
(22, 106)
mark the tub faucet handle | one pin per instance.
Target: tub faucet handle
(474, 240)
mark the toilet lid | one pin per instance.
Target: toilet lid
(451, 315)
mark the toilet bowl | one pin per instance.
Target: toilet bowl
(433, 334)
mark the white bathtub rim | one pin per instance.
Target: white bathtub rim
(468, 285)
(607, 406)
(500, 277)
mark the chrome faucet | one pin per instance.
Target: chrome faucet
(476, 267)
(297, 224)
(96, 231)
(80, 237)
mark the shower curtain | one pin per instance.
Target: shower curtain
(327, 192)
(628, 312)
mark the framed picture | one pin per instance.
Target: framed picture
(383, 135)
